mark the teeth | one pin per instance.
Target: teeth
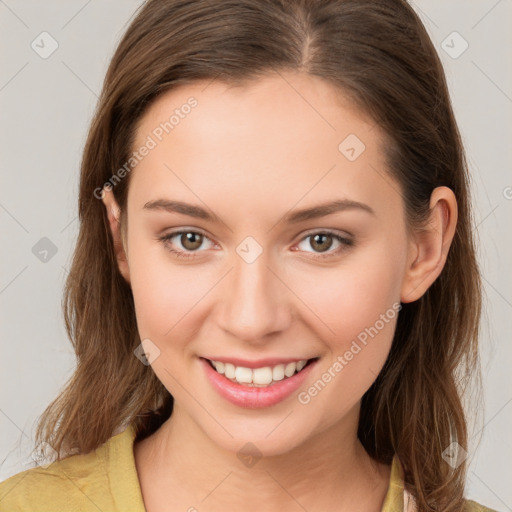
(278, 372)
(262, 375)
(289, 369)
(243, 375)
(301, 365)
(229, 370)
(258, 376)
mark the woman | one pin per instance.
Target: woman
(227, 360)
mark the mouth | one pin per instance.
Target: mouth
(266, 383)
(264, 376)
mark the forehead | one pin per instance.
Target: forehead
(272, 141)
(306, 106)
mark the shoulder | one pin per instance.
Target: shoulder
(100, 480)
(31, 490)
(473, 506)
(56, 487)
(68, 484)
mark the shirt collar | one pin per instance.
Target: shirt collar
(398, 499)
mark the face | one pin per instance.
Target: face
(236, 275)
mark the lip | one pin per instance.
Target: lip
(255, 397)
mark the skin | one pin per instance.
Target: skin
(252, 155)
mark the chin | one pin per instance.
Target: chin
(266, 437)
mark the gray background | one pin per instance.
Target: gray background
(46, 106)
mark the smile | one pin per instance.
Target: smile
(264, 376)
(264, 385)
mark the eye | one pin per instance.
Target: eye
(322, 241)
(190, 240)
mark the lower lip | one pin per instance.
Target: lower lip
(255, 397)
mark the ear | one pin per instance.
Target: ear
(113, 213)
(429, 246)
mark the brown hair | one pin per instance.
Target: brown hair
(379, 55)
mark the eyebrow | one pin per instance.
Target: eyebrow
(294, 217)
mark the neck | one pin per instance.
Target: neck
(180, 464)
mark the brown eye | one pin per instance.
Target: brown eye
(191, 240)
(184, 243)
(321, 241)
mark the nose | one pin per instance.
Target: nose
(256, 301)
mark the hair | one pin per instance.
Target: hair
(377, 54)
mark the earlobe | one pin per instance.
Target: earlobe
(429, 249)
(113, 215)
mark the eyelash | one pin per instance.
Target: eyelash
(346, 242)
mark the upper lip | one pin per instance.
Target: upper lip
(260, 363)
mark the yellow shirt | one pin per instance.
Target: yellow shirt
(106, 480)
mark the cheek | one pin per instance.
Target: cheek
(352, 295)
(164, 293)
(359, 302)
